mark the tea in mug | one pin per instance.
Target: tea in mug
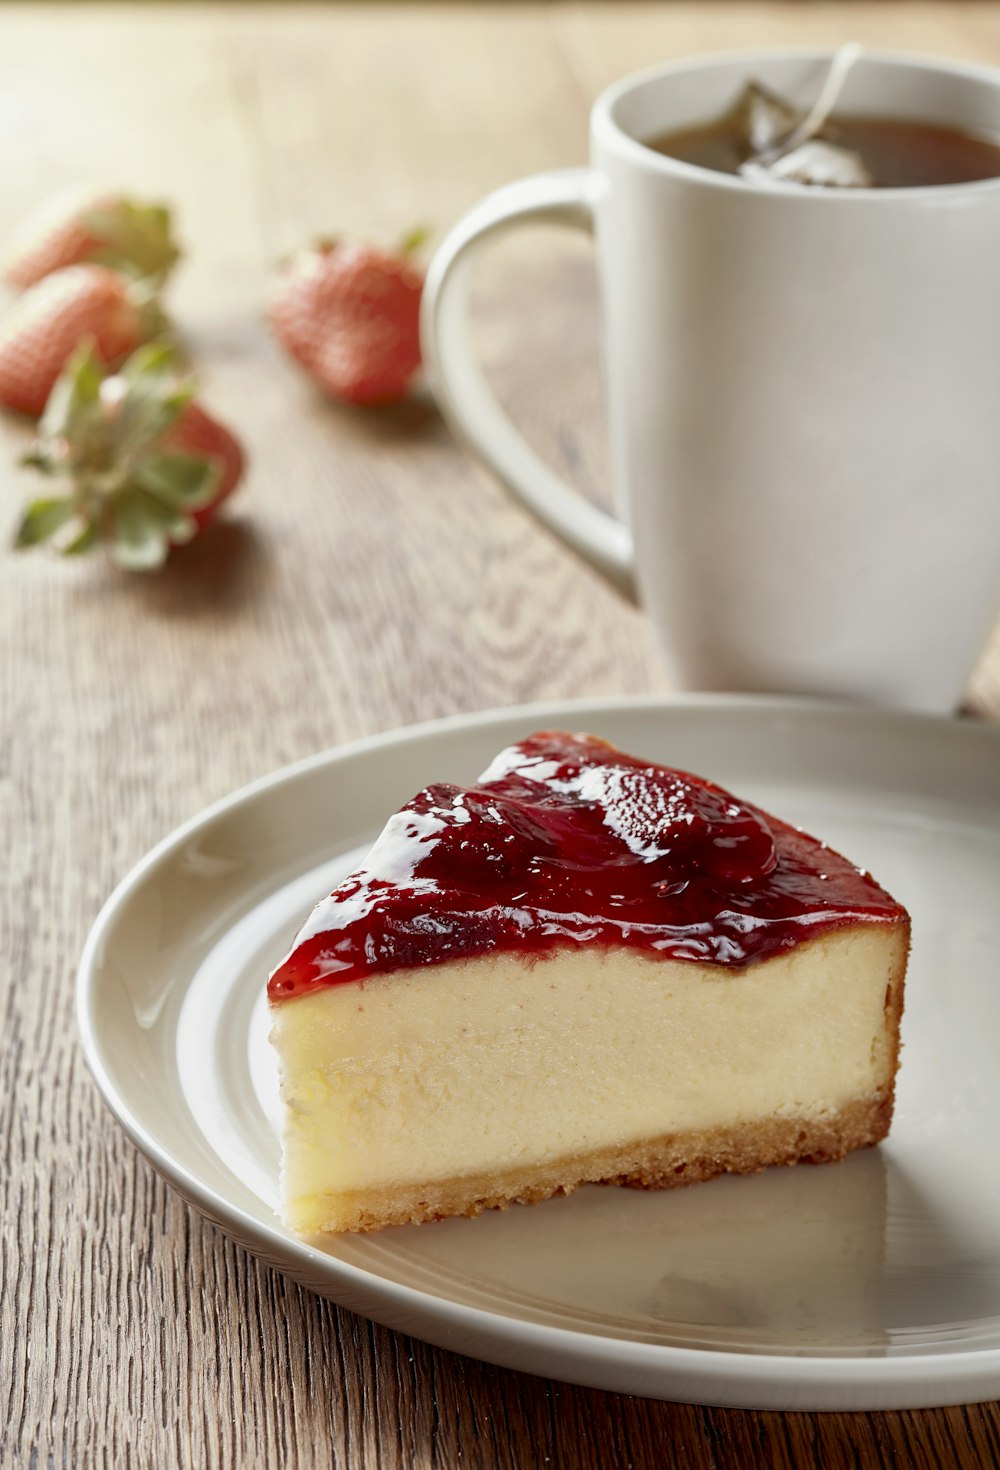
(876, 152)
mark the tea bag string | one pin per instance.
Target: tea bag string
(841, 63)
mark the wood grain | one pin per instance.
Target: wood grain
(369, 576)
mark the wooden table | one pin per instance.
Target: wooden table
(369, 576)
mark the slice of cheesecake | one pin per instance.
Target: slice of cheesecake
(585, 967)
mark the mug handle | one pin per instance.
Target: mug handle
(565, 196)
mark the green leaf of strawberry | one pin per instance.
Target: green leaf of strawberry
(154, 396)
(75, 402)
(85, 541)
(134, 238)
(43, 518)
(141, 541)
(179, 480)
(146, 466)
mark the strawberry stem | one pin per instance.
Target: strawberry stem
(414, 240)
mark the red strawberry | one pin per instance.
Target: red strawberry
(146, 467)
(198, 434)
(44, 326)
(83, 226)
(351, 314)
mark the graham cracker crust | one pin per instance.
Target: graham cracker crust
(661, 1163)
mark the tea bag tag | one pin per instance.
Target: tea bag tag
(816, 162)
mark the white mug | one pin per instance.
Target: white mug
(803, 387)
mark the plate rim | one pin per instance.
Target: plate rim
(686, 1374)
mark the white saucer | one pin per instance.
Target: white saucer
(871, 1284)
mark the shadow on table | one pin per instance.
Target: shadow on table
(416, 417)
(217, 572)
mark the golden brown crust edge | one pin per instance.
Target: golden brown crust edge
(661, 1163)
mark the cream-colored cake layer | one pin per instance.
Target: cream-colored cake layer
(499, 1063)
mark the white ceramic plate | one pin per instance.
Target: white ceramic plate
(874, 1283)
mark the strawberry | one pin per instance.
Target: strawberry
(350, 313)
(146, 466)
(200, 436)
(44, 326)
(80, 226)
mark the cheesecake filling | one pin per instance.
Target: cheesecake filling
(498, 1066)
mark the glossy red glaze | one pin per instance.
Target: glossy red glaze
(567, 840)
